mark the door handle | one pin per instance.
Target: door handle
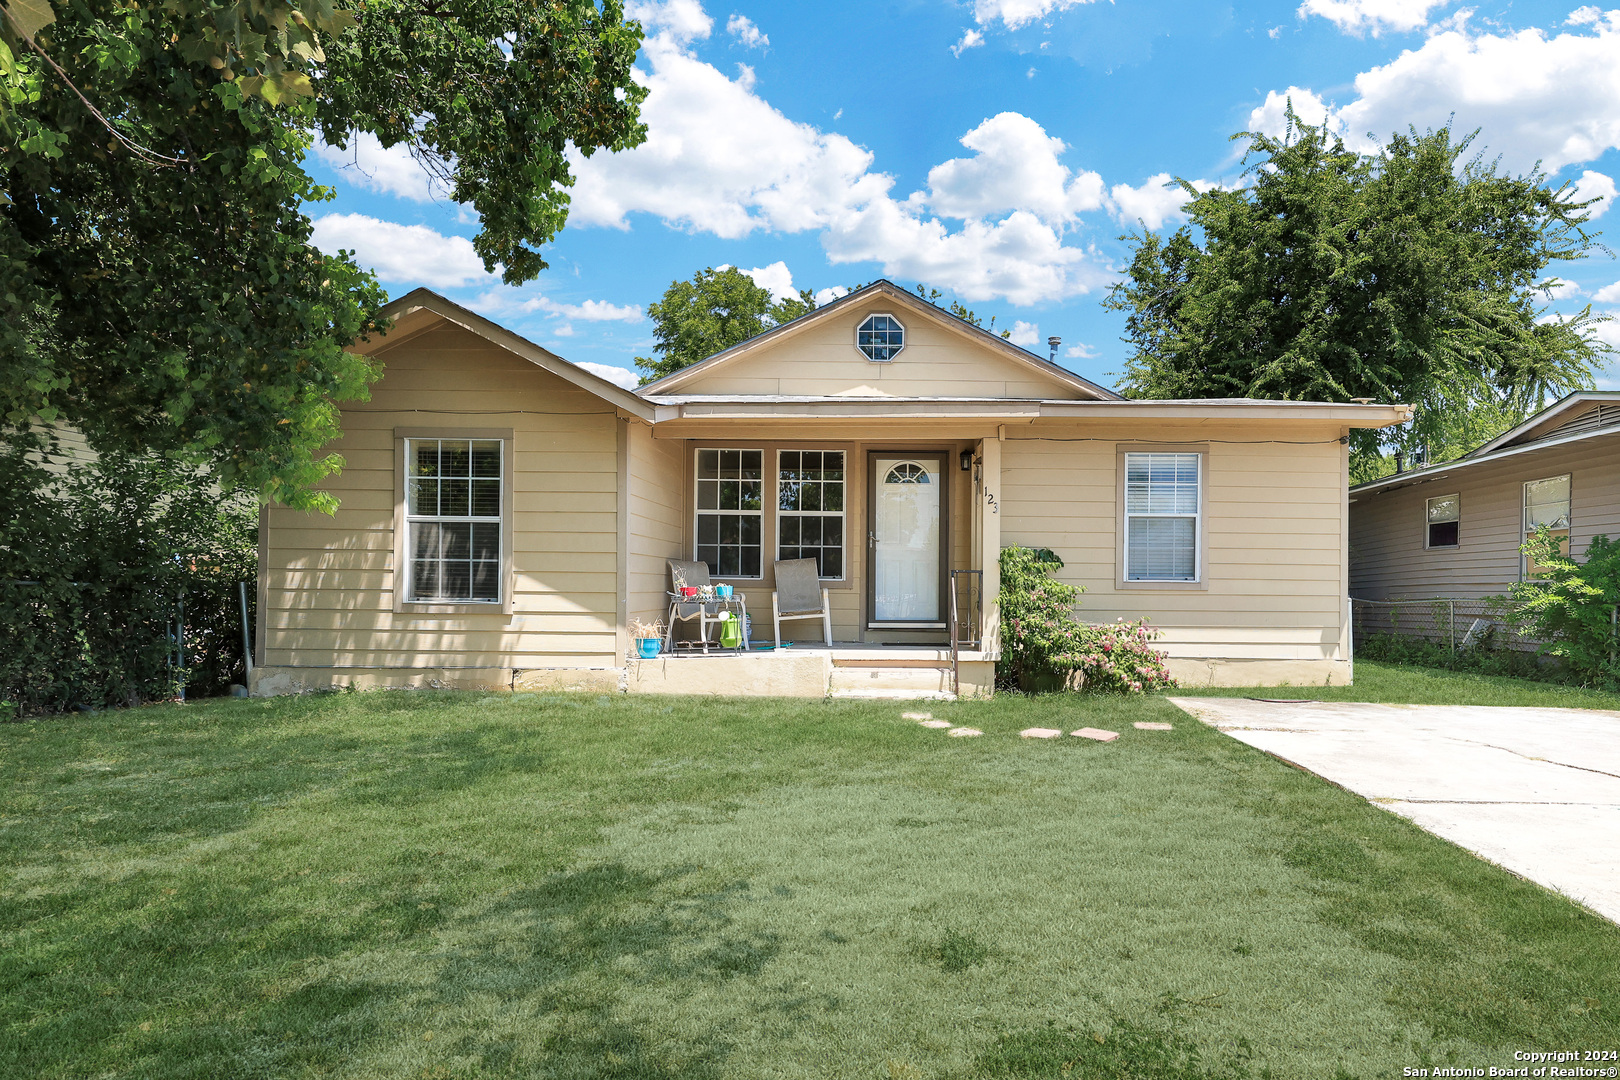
(871, 539)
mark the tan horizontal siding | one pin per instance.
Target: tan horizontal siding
(330, 579)
(822, 359)
(658, 507)
(1388, 559)
(1273, 551)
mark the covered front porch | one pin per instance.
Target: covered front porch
(898, 525)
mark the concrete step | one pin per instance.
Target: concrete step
(893, 695)
(890, 680)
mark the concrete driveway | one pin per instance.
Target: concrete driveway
(1534, 790)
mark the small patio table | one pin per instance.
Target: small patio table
(708, 614)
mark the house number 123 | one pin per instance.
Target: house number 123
(990, 498)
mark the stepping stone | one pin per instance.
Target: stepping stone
(936, 723)
(1096, 733)
(963, 732)
(1143, 725)
(916, 716)
(1040, 733)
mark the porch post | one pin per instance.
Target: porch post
(990, 545)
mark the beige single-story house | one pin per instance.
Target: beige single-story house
(505, 515)
(1454, 530)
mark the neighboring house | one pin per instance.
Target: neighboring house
(1455, 530)
(880, 435)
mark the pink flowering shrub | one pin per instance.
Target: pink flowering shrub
(1121, 659)
(1044, 645)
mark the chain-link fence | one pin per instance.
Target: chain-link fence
(1450, 623)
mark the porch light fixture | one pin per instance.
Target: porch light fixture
(967, 461)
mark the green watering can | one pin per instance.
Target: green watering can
(730, 630)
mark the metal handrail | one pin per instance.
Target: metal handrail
(975, 607)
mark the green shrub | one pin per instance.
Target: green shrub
(98, 563)
(1483, 657)
(1571, 605)
(1042, 642)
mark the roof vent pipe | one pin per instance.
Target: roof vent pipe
(1053, 342)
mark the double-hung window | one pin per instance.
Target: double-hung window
(453, 511)
(730, 503)
(1444, 520)
(1546, 503)
(810, 508)
(1162, 516)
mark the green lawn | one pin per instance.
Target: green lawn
(441, 885)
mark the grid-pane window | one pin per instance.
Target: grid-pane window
(1161, 517)
(730, 502)
(810, 508)
(1546, 502)
(1444, 520)
(453, 510)
(881, 337)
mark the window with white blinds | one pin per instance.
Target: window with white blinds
(1162, 516)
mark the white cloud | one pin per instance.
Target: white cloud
(1594, 185)
(1553, 98)
(412, 254)
(776, 279)
(1016, 13)
(618, 376)
(1557, 288)
(1274, 33)
(562, 330)
(743, 29)
(1583, 16)
(1020, 258)
(392, 171)
(1080, 352)
(1609, 294)
(1025, 333)
(506, 300)
(970, 39)
(678, 20)
(1015, 167)
(829, 294)
(1374, 16)
(1157, 200)
(720, 159)
(1271, 118)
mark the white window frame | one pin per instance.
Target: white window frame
(1427, 522)
(501, 521)
(776, 500)
(904, 334)
(1197, 518)
(1525, 528)
(766, 492)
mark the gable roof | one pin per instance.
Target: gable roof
(426, 300)
(1541, 431)
(671, 384)
(1568, 409)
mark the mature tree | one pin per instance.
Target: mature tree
(158, 289)
(1412, 275)
(714, 311)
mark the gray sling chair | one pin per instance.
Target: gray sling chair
(798, 596)
(691, 573)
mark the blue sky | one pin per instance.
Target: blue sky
(995, 150)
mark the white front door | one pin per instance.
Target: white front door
(905, 539)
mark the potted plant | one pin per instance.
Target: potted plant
(649, 638)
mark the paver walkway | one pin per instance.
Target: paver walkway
(1534, 790)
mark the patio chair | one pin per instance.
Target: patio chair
(694, 574)
(797, 596)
